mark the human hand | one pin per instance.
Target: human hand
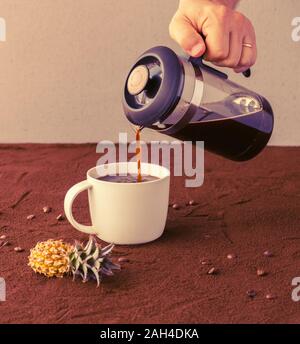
(213, 29)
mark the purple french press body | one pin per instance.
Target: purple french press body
(186, 99)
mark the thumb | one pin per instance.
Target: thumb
(183, 32)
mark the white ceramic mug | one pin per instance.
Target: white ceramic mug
(123, 213)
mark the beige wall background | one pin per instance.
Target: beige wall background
(63, 65)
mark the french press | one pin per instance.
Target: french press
(189, 100)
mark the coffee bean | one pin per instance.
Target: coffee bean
(47, 209)
(123, 260)
(205, 262)
(30, 217)
(2, 237)
(270, 297)
(213, 271)
(60, 217)
(176, 206)
(251, 293)
(261, 272)
(192, 202)
(268, 254)
(231, 256)
(18, 249)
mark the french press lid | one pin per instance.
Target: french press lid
(153, 86)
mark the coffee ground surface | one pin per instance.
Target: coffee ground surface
(206, 268)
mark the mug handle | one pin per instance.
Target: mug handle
(68, 203)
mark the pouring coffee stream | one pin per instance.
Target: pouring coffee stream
(189, 100)
(138, 154)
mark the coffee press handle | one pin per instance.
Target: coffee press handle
(198, 61)
(247, 73)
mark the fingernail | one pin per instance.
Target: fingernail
(196, 50)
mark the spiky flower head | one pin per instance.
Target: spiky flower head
(90, 261)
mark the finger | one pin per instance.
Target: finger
(182, 31)
(217, 43)
(235, 52)
(248, 57)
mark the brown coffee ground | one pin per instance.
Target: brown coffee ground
(164, 281)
